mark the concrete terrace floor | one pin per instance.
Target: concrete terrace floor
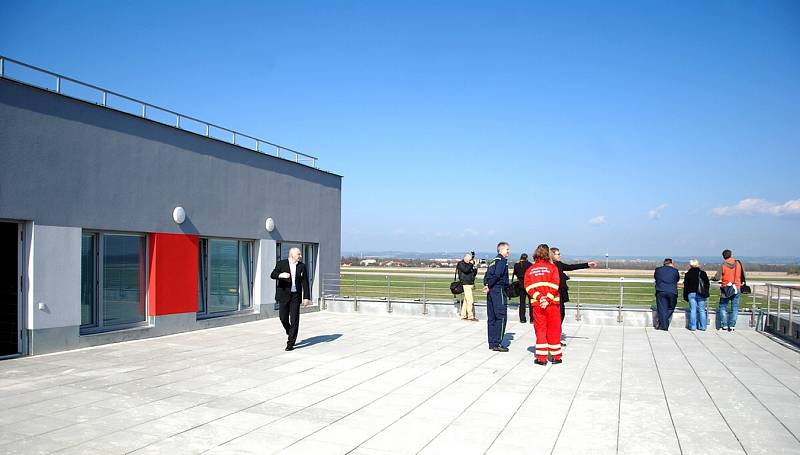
(388, 384)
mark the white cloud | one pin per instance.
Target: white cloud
(655, 213)
(755, 206)
(598, 220)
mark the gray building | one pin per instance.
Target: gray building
(116, 224)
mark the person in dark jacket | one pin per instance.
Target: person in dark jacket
(291, 287)
(667, 278)
(695, 291)
(495, 285)
(519, 271)
(563, 289)
(467, 271)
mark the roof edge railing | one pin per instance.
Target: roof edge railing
(105, 96)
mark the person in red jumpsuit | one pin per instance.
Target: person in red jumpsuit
(542, 281)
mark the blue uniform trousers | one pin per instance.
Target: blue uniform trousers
(496, 315)
(665, 305)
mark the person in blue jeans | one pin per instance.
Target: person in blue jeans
(730, 280)
(695, 291)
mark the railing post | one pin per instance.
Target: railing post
(388, 294)
(144, 110)
(791, 313)
(177, 121)
(769, 304)
(621, 297)
(778, 311)
(578, 305)
(753, 309)
(233, 137)
(425, 295)
(105, 98)
(355, 292)
(207, 130)
(278, 152)
(296, 158)
(2, 67)
(58, 84)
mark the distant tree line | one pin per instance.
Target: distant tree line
(792, 269)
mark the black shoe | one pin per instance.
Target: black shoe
(499, 349)
(563, 344)
(522, 321)
(556, 361)
(540, 362)
(290, 347)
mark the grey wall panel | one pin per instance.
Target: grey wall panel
(64, 162)
(56, 277)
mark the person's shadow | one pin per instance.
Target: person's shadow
(317, 339)
(507, 339)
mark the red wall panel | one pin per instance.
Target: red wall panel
(173, 274)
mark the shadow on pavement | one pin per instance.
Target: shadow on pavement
(317, 339)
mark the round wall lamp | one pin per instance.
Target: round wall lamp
(179, 215)
(270, 225)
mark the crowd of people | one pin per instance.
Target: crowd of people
(696, 291)
(544, 293)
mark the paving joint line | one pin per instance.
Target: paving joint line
(522, 358)
(326, 398)
(664, 391)
(750, 392)
(760, 367)
(178, 393)
(516, 411)
(708, 393)
(574, 394)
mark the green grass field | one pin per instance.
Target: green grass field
(435, 287)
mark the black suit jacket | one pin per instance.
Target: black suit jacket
(283, 287)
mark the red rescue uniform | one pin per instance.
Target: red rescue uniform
(541, 283)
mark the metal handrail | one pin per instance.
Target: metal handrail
(599, 292)
(299, 157)
(782, 322)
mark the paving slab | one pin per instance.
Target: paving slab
(389, 384)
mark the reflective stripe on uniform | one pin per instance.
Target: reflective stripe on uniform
(538, 352)
(553, 346)
(543, 283)
(555, 352)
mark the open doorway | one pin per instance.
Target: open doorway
(9, 289)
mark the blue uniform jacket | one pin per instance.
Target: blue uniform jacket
(496, 276)
(667, 279)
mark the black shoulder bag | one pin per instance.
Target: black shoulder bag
(515, 288)
(745, 288)
(457, 286)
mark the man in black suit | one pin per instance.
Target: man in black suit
(563, 289)
(291, 288)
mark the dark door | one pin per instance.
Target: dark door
(9, 289)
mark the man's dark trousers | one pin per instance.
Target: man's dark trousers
(289, 313)
(665, 305)
(496, 314)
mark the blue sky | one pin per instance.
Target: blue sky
(634, 128)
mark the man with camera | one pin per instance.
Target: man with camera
(467, 271)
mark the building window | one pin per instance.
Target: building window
(112, 281)
(309, 252)
(225, 276)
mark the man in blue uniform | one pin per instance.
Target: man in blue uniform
(495, 285)
(667, 278)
